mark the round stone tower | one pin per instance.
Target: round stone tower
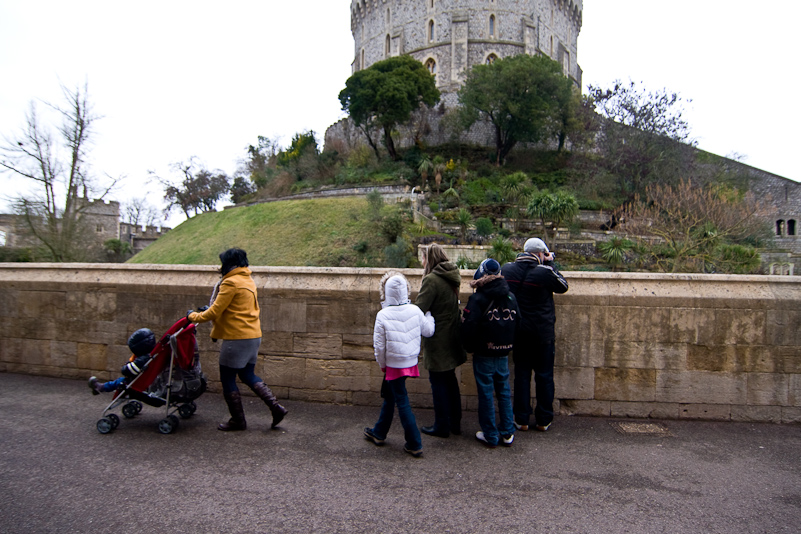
(450, 36)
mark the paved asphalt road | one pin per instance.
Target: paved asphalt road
(317, 474)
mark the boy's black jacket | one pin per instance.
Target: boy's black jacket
(485, 331)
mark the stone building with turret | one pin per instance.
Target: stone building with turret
(101, 220)
(450, 36)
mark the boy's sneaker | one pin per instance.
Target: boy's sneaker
(543, 428)
(417, 454)
(94, 385)
(369, 435)
(480, 437)
(507, 441)
(520, 427)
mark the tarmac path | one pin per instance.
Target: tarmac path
(316, 473)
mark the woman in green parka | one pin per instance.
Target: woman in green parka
(443, 352)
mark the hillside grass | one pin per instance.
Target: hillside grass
(316, 232)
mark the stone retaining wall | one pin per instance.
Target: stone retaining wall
(628, 345)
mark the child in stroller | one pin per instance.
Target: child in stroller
(168, 375)
(141, 343)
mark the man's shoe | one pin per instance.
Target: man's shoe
(417, 454)
(507, 441)
(432, 431)
(543, 428)
(370, 436)
(480, 437)
(520, 427)
(94, 385)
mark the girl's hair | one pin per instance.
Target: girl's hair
(231, 259)
(434, 256)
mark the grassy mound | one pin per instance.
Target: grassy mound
(318, 232)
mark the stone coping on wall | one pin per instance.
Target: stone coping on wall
(340, 278)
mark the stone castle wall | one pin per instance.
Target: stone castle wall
(628, 345)
(453, 35)
(102, 219)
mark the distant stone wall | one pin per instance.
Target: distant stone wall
(628, 345)
(140, 237)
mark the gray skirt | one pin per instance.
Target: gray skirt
(237, 353)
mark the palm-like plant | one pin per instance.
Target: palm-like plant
(424, 168)
(439, 167)
(462, 263)
(556, 208)
(614, 251)
(465, 219)
(502, 250)
(451, 197)
(517, 190)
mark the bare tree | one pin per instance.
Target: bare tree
(138, 212)
(199, 191)
(686, 225)
(57, 165)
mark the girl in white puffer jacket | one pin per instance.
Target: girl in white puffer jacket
(396, 342)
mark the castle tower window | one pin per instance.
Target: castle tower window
(780, 227)
(791, 227)
(387, 47)
(492, 26)
(492, 58)
(431, 31)
(361, 65)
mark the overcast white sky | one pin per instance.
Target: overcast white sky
(175, 79)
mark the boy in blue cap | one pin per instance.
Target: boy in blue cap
(488, 329)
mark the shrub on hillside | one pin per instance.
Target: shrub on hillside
(484, 226)
(400, 254)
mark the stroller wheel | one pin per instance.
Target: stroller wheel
(168, 425)
(137, 405)
(193, 406)
(104, 425)
(115, 420)
(185, 411)
(130, 410)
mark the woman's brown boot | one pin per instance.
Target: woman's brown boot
(265, 393)
(237, 420)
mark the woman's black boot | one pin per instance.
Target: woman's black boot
(265, 393)
(237, 420)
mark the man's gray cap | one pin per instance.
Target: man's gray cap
(535, 244)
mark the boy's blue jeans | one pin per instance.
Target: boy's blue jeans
(114, 385)
(396, 395)
(492, 374)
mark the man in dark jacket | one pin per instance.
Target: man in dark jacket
(489, 323)
(533, 279)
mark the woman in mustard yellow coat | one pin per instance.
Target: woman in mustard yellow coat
(235, 314)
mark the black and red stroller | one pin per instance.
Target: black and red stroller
(171, 378)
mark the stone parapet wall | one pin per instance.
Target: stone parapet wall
(628, 345)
